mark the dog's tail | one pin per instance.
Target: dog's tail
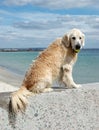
(18, 100)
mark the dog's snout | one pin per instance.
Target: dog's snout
(78, 46)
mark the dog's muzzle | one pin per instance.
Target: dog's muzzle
(77, 48)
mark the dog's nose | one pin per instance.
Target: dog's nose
(78, 46)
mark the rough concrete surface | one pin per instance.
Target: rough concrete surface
(69, 109)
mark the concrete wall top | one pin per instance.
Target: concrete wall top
(69, 109)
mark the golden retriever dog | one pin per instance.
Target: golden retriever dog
(55, 62)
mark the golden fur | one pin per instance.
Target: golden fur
(55, 62)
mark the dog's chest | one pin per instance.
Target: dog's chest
(57, 66)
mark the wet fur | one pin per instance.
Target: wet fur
(56, 62)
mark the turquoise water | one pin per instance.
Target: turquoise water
(17, 61)
(86, 69)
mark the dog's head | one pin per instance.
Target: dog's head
(74, 39)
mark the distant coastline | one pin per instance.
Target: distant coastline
(32, 49)
(20, 49)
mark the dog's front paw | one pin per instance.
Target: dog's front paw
(76, 86)
(73, 85)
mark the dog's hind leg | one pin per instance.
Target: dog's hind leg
(41, 87)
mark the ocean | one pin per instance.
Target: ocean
(86, 69)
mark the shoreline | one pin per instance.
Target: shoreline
(37, 49)
(10, 81)
(4, 87)
(9, 77)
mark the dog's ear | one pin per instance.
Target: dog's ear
(83, 39)
(66, 40)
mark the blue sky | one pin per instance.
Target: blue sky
(36, 23)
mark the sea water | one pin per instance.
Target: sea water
(86, 69)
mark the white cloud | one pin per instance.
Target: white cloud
(16, 2)
(39, 29)
(52, 4)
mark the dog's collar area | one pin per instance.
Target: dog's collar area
(76, 51)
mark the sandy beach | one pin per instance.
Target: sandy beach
(4, 87)
(10, 77)
(9, 81)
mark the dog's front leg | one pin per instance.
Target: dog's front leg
(67, 78)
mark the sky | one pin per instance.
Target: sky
(37, 23)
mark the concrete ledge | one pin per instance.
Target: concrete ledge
(70, 109)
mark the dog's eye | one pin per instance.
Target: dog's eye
(73, 38)
(80, 38)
